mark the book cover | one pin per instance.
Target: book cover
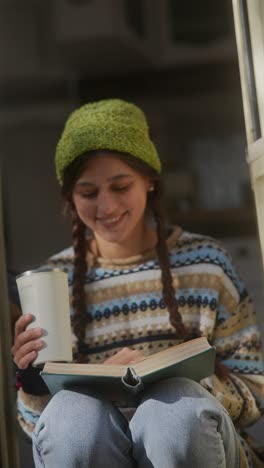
(194, 359)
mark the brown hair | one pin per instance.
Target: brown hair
(80, 248)
(80, 243)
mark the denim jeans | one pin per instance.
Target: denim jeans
(177, 424)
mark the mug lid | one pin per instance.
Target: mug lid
(42, 270)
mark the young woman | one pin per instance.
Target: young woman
(138, 286)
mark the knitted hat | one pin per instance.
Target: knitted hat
(111, 124)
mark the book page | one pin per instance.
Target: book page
(172, 355)
(153, 362)
(84, 369)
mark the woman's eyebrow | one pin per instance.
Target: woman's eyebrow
(85, 183)
(119, 176)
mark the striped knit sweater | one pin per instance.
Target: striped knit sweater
(125, 308)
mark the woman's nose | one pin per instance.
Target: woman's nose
(106, 203)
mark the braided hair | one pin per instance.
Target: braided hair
(168, 290)
(79, 274)
(80, 246)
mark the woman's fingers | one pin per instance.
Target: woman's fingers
(125, 356)
(25, 361)
(28, 353)
(27, 342)
(22, 323)
(26, 337)
(138, 356)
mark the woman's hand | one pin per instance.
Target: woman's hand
(27, 342)
(126, 356)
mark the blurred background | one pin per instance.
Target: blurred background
(175, 59)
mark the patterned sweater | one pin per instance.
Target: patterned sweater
(125, 308)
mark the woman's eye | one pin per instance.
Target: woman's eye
(123, 188)
(88, 195)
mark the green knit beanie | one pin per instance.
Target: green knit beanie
(111, 124)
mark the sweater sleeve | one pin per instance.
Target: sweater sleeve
(238, 346)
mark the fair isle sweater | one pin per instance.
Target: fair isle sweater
(125, 308)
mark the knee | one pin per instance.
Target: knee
(183, 410)
(69, 405)
(173, 389)
(187, 421)
(181, 406)
(80, 429)
(68, 411)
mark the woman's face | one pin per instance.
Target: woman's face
(110, 198)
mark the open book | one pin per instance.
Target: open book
(193, 359)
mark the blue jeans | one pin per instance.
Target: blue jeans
(177, 424)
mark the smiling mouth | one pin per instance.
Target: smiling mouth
(111, 221)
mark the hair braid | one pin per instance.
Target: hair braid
(80, 249)
(166, 277)
(79, 273)
(168, 290)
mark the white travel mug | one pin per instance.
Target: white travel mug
(44, 294)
